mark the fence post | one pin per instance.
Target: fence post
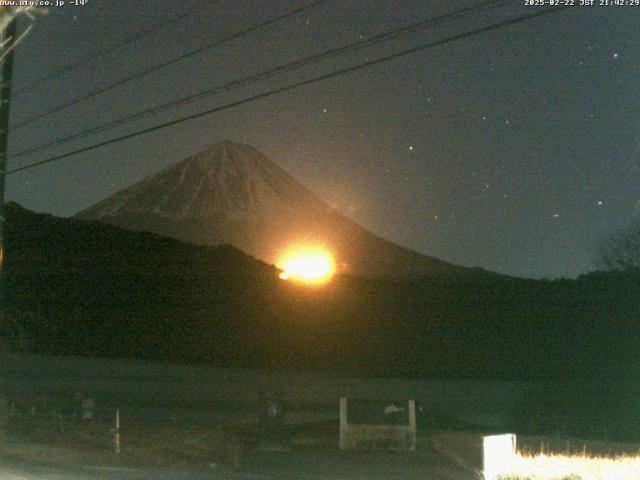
(116, 435)
(4, 415)
(343, 423)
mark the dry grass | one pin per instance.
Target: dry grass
(546, 458)
(160, 444)
(573, 467)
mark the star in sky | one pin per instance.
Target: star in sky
(435, 105)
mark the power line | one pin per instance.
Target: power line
(293, 86)
(285, 68)
(156, 27)
(162, 65)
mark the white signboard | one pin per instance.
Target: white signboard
(499, 454)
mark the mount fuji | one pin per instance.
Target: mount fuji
(232, 194)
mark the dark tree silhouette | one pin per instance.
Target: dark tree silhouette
(7, 14)
(12, 330)
(621, 251)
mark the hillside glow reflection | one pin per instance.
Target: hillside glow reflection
(307, 265)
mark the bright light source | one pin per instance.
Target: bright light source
(307, 265)
(578, 466)
(499, 455)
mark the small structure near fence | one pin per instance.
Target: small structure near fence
(88, 406)
(373, 424)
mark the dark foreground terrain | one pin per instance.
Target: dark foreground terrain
(319, 462)
(201, 422)
(88, 289)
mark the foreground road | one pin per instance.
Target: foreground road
(320, 463)
(22, 471)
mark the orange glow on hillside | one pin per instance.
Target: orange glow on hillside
(312, 266)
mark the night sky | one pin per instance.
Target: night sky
(516, 150)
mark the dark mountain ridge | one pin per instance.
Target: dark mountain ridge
(87, 288)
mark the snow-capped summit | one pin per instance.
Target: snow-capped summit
(232, 194)
(228, 180)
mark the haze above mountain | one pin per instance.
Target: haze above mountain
(232, 194)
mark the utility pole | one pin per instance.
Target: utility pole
(8, 40)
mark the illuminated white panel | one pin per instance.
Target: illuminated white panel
(499, 455)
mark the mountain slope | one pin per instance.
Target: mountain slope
(232, 194)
